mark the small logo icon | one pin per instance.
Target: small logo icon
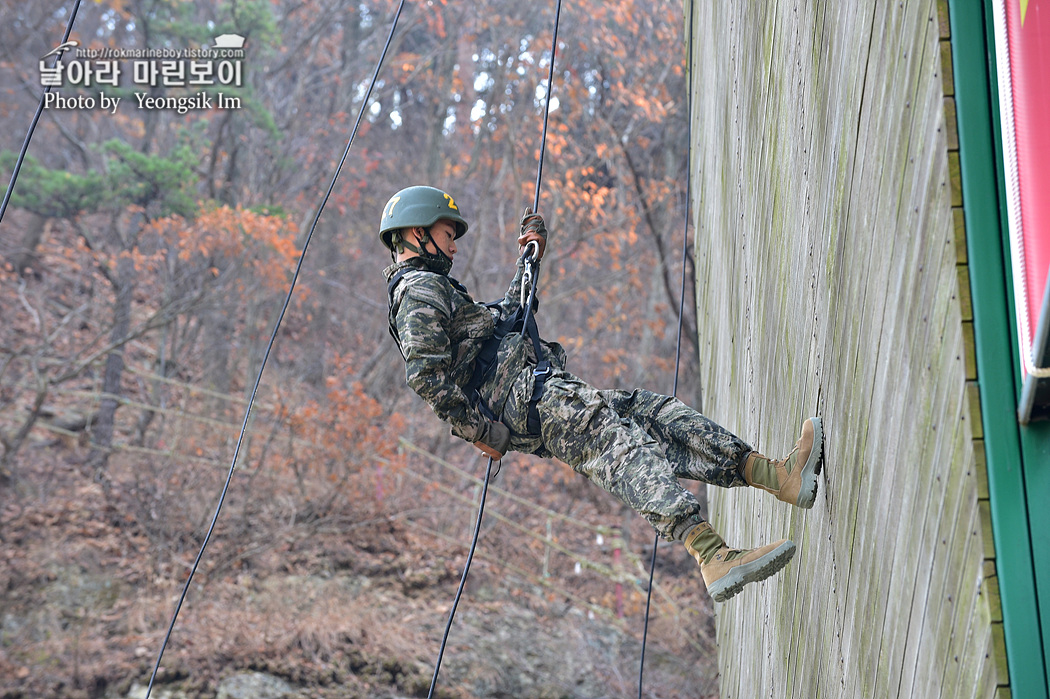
(61, 48)
(229, 41)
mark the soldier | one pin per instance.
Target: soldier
(485, 371)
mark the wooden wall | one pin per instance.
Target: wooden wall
(827, 284)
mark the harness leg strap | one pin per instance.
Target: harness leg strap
(539, 378)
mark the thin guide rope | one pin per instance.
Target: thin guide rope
(36, 118)
(266, 355)
(681, 315)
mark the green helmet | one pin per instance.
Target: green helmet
(418, 206)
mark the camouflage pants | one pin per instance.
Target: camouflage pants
(636, 445)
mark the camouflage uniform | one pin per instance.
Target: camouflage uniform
(635, 444)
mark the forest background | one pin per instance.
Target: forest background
(145, 257)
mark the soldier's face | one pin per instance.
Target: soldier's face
(444, 235)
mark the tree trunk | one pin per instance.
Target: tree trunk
(11, 445)
(218, 331)
(23, 256)
(313, 353)
(102, 431)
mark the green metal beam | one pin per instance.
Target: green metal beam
(1035, 448)
(977, 110)
(1035, 438)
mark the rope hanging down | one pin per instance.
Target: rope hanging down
(269, 347)
(481, 506)
(36, 117)
(528, 307)
(462, 579)
(681, 313)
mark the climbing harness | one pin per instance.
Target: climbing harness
(521, 321)
(681, 315)
(392, 313)
(543, 368)
(269, 347)
(39, 110)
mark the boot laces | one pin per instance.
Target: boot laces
(726, 555)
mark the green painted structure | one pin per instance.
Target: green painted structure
(1018, 456)
(851, 263)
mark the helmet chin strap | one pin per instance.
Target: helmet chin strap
(437, 261)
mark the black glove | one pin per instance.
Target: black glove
(532, 229)
(492, 438)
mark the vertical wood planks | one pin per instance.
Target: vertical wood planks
(827, 252)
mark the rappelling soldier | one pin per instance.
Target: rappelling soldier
(484, 370)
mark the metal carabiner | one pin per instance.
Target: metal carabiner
(526, 283)
(527, 277)
(535, 248)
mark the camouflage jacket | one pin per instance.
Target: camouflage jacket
(440, 331)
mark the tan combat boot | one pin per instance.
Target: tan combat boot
(793, 479)
(727, 570)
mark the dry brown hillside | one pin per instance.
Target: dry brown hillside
(143, 262)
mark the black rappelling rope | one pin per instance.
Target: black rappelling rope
(547, 107)
(543, 147)
(681, 313)
(269, 347)
(462, 580)
(36, 117)
(528, 307)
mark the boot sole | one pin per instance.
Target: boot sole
(807, 493)
(730, 584)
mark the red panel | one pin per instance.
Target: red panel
(1030, 72)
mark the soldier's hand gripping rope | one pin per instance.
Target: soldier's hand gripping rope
(533, 230)
(493, 439)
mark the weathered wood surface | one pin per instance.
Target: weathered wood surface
(826, 249)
